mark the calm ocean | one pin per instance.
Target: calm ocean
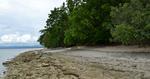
(8, 54)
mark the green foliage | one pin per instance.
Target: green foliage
(95, 22)
(90, 23)
(147, 31)
(124, 33)
(135, 15)
(79, 28)
(53, 34)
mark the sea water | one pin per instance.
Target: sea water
(8, 54)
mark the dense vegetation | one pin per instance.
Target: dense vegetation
(96, 22)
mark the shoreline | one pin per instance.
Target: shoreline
(80, 63)
(8, 53)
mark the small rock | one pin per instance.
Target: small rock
(134, 66)
(45, 64)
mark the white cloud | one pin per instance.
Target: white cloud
(24, 16)
(29, 6)
(26, 12)
(17, 38)
(4, 4)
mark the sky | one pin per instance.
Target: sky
(21, 20)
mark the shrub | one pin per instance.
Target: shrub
(124, 34)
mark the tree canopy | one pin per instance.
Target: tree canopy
(132, 22)
(96, 22)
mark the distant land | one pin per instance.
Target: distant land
(19, 45)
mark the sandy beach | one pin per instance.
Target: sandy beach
(113, 62)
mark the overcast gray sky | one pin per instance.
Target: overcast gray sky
(21, 20)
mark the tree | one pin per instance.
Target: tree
(80, 22)
(53, 34)
(90, 23)
(135, 15)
